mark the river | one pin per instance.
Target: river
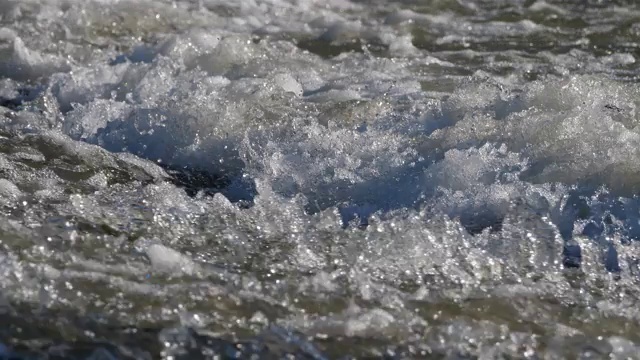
(319, 179)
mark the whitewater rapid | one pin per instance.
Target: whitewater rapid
(324, 179)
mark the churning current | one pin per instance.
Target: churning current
(319, 179)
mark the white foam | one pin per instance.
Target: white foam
(9, 190)
(21, 63)
(336, 150)
(288, 84)
(167, 260)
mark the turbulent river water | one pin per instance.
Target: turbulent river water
(319, 179)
